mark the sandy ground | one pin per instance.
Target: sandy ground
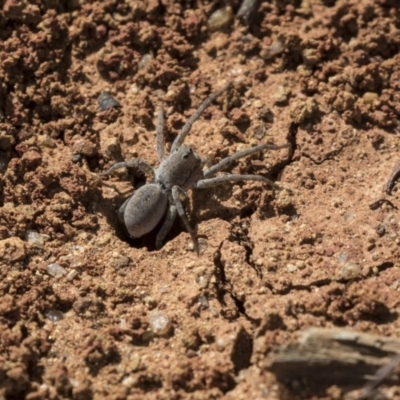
(86, 313)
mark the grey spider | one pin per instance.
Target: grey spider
(178, 172)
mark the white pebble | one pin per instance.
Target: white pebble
(203, 302)
(160, 323)
(349, 270)
(202, 281)
(54, 315)
(129, 381)
(220, 343)
(72, 274)
(34, 237)
(342, 257)
(291, 268)
(56, 270)
(145, 60)
(348, 218)
(220, 19)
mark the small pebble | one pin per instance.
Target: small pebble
(47, 141)
(76, 158)
(348, 218)
(380, 230)
(145, 60)
(281, 95)
(72, 274)
(284, 199)
(247, 10)
(259, 131)
(349, 270)
(106, 101)
(273, 50)
(35, 238)
(119, 261)
(291, 268)
(203, 301)
(220, 343)
(56, 270)
(369, 98)
(220, 19)
(202, 281)
(160, 323)
(342, 257)
(129, 381)
(54, 315)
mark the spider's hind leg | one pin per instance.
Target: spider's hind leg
(145, 167)
(160, 135)
(167, 225)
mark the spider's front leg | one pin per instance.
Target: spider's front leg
(218, 180)
(179, 207)
(186, 128)
(208, 173)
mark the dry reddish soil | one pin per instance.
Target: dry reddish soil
(121, 320)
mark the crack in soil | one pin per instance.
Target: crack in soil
(223, 286)
(239, 233)
(329, 156)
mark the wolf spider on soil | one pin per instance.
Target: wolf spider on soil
(177, 173)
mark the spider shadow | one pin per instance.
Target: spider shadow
(208, 203)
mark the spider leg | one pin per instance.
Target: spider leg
(167, 225)
(160, 136)
(206, 183)
(243, 153)
(181, 212)
(186, 128)
(135, 163)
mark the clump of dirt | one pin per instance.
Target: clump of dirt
(86, 313)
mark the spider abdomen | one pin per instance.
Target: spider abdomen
(145, 210)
